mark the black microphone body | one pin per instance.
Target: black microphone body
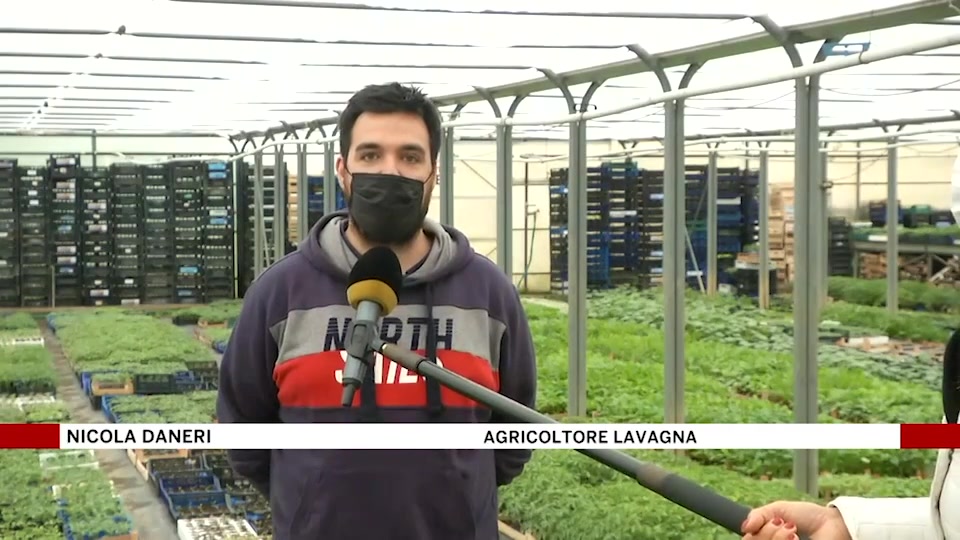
(359, 344)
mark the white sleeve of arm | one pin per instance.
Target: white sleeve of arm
(887, 519)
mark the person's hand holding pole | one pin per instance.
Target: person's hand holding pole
(787, 520)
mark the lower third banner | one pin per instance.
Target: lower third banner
(479, 436)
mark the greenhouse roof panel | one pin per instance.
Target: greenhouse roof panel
(248, 65)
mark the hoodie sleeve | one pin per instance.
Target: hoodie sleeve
(247, 392)
(518, 381)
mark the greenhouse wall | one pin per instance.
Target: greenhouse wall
(924, 177)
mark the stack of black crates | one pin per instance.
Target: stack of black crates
(96, 236)
(737, 217)
(621, 180)
(188, 217)
(35, 253)
(625, 223)
(127, 217)
(878, 213)
(65, 229)
(247, 215)
(159, 241)
(840, 247)
(9, 229)
(649, 203)
(613, 229)
(218, 227)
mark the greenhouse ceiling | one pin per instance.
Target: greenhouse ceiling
(226, 67)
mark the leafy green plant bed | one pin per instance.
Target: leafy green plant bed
(19, 334)
(17, 321)
(45, 413)
(27, 509)
(565, 496)
(219, 335)
(62, 481)
(560, 493)
(189, 408)
(126, 344)
(223, 311)
(737, 322)
(911, 294)
(732, 384)
(26, 369)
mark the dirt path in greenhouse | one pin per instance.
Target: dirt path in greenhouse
(149, 515)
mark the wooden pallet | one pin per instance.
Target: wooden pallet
(144, 456)
(98, 388)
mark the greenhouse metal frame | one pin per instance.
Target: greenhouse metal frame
(810, 206)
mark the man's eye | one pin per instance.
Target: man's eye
(412, 158)
(368, 157)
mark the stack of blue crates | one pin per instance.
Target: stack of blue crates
(649, 206)
(750, 206)
(598, 231)
(737, 215)
(625, 223)
(621, 180)
(315, 199)
(878, 213)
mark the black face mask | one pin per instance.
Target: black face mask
(387, 209)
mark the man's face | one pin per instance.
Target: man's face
(389, 143)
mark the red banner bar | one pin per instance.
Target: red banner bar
(30, 436)
(929, 436)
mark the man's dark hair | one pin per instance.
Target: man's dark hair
(390, 98)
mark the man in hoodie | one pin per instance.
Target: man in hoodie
(285, 358)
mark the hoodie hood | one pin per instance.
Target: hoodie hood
(327, 249)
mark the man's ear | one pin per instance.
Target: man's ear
(342, 174)
(951, 378)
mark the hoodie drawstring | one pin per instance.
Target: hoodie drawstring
(369, 412)
(434, 401)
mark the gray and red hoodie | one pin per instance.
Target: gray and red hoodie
(284, 362)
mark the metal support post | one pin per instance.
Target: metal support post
(446, 177)
(674, 264)
(258, 229)
(805, 311)
(303, 193)
(236, 237)
(329, 178)
(808, 222)
(675, 240)
(93, 148)
(712, 223)
(576, 247)
(505, 200)
(824, 277)
(577, 270)
(504, 184)
(893, 220)
(763, 253)
(279, 204)
(447, 171)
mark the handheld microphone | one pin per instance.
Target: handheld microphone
(375, 282)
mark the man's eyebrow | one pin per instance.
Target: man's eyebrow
(413, 148)
(368, 146)
(409, 147)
